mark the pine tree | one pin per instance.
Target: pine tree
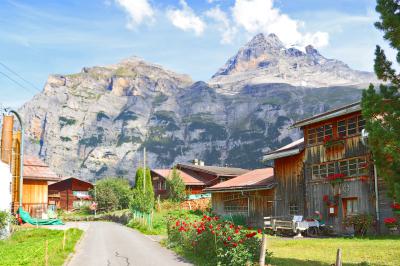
(381, 108)
(143, 196)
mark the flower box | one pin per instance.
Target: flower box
(330, 142)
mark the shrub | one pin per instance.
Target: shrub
(112, 194)
(221, 242)
(176, 187)
(3, 219)
(360, 222)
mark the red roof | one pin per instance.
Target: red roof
(187, 179)
(36, 169)
(256, 179)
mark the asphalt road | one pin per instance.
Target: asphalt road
(106, 243)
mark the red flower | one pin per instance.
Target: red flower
(229, 238)
(259, 231)
(181, 229)
(250, 228)
(234, 244)
(396, 206)
(390, 220)
(177, 223)
(327, 138)
(231, 226)
(325, 198)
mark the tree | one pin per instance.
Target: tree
(143, 196)
(381, 108)
(176, 187)
(112, 194)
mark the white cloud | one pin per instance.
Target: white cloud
(186, 19)
(139, 11)
(256, 16)
(223, 24)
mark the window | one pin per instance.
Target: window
(350, 126)
(341, 128)
(350, 167)
(317, 135)
(350, 206)
(323, 170)
(293, 209)
(311, 136)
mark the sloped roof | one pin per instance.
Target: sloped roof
(256, 179)
(66, 178)
(291, 149)
(214, 170)
(36, 169)
(347, 109)
(187, 179)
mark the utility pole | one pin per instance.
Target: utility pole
(144, 169)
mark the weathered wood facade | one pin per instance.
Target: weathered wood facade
(70, 194)
(251, 195)
(330, 172)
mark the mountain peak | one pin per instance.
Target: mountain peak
(310, 50)
(269, 42)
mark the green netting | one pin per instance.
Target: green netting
(28, 219)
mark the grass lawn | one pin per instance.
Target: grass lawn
(355, 251)
(27, 246)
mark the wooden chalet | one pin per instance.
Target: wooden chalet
(37, 177)
(329, 171)
(194, 184)
(250, 195)
(196, 177)
(70, 193)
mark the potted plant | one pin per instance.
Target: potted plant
(391, 224)
(330, 141)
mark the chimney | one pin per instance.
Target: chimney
(7, 138)
(201, 163)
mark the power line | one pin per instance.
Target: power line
(15, 73)
(16, 82)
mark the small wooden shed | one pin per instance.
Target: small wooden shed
(37, 177)
(70, 193)
(250, 195)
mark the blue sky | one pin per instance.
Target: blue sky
(39, 38)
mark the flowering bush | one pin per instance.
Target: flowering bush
(390, 222)
(360, 222)
(221, 242)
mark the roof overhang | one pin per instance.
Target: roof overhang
(241, 188)
(281, 154)
(348, 109)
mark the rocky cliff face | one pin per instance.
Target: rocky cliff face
(95, 123)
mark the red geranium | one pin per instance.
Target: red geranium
(396, 206)
(325, 198)
(390, 221)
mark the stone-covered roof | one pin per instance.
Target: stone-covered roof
(187, 178)
(214, 170)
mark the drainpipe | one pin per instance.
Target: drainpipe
(376, 195)
(21, 157)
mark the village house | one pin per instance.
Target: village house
(250, 195)
(196, 177)
(69, 194)
(329, 171)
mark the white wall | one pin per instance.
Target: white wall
(5, 192)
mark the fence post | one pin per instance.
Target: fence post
(263, 249)
(64, 238)
(339, 257)
(46, 255)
